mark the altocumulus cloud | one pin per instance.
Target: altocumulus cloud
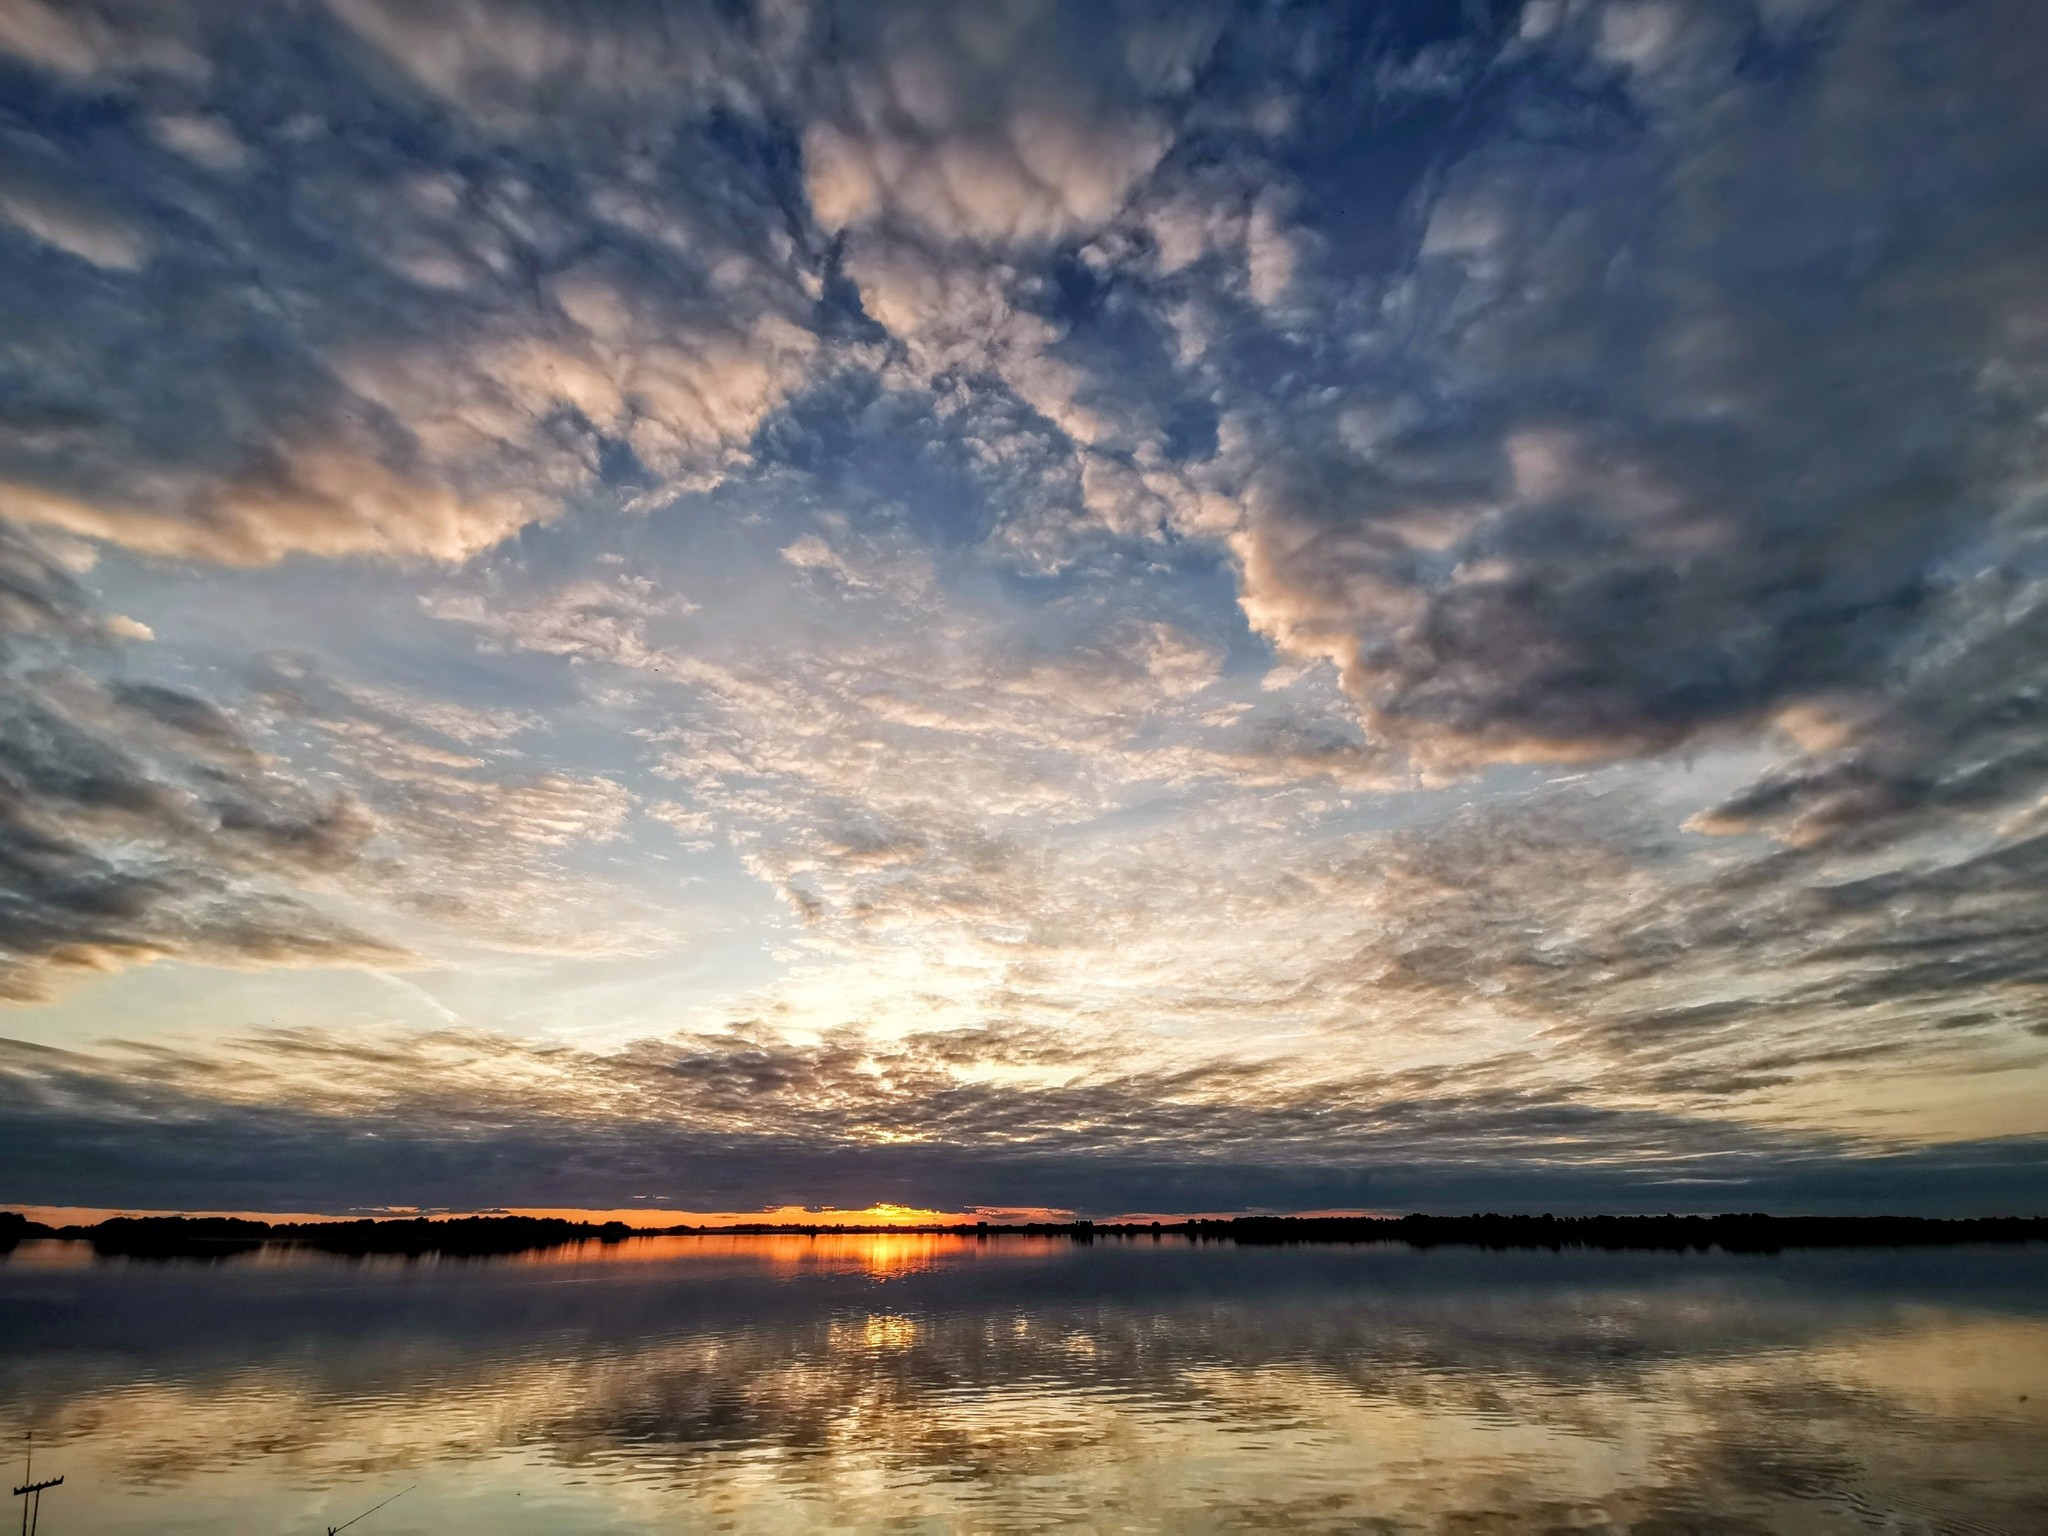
(1033, 603)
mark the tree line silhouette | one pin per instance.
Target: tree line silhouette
(215, 1237)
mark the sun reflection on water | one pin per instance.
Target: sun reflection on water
(880, 1255)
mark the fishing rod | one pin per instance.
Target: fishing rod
(333, 1529)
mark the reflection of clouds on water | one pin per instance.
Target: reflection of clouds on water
(1122, 1384)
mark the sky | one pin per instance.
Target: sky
(987, 607)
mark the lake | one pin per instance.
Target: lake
(928, 1383)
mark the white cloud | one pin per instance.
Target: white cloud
(73, 224)
(964, 134)
(204, 140)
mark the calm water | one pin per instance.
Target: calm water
(933, 1384)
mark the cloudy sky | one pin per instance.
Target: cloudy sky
(1000, 606)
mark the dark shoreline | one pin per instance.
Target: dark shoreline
(215, 1237)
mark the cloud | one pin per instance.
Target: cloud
(511, 65)
(733, 1121)
(1952, 738)
(1581, 928)
(309, 500)
(964, 819)
(143, 821)
(387, 346)
(994, 126)
(32, 30)
(585, 621)
(136, 820)
(206, 141)
(474, 844)
(956, 161)
(83, 43)
(73, 225)
(1483, 570)
(1695, 442)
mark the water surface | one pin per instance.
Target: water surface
(913, 1383)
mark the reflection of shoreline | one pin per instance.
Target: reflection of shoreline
(880, 1254)
(1302, 1389)
(223, 1237)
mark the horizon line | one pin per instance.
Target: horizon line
(1012, 1222)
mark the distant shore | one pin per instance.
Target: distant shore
(484, 1236)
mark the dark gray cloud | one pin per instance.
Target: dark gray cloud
(1955, 736)
(1710, 376)
(1700, 974)
(136, 820)
(305, 1120)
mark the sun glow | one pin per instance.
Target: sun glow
(881, 1214)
